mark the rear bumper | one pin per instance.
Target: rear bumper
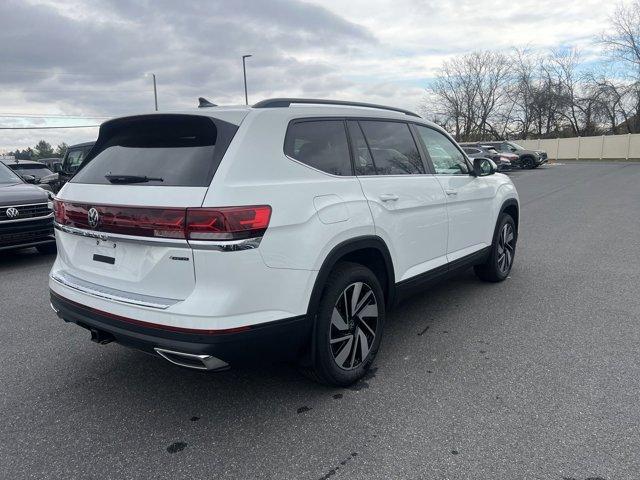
(278, 340)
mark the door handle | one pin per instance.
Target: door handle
(388, 197)
(451, 192)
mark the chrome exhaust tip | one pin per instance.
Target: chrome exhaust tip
(191, 360)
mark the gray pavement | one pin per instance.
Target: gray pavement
(534, 378)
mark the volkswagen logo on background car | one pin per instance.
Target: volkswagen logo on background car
(12, 212)
(93, 217)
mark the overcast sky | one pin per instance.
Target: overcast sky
(94, 57)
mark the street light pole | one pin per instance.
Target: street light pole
(244, 72)
(155, 91)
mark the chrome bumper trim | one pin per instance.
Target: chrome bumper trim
(90, 288)
(226, 245)
(219, 245)
(41, 217)
(115, 237)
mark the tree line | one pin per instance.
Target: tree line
(522, 94)
(42, 149)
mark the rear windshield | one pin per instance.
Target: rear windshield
(35, 170)
(163, 150)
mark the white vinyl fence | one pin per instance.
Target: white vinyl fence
(605, 147)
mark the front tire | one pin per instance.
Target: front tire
(498, 265)
(528, 163)
(349, 325)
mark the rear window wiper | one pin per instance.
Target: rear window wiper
(132, 178)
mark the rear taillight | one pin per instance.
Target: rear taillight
(58, 211)
(227, 223)
(224, 223)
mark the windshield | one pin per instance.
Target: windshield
(516, 146)
(37, 171)
(7, 176)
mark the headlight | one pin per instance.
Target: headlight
(50, 197)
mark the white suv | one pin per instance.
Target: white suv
(285, 229)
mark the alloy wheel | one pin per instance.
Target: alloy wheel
(354, 323)
(506, 248)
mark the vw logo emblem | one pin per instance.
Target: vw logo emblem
(12, 212)
(93, 217)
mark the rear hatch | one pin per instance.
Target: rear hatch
(121, 220)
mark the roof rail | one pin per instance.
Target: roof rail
(286, 102)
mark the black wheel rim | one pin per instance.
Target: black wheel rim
(354, 325)
(506, 248)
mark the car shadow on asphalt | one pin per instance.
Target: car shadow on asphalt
(16, 259)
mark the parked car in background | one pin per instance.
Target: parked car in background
(181, 235)
(526, 158)
(72, 159)
(26, 214)
(484, 151)
(36, 173)
(54, 164)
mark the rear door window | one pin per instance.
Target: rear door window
(363, 161)
(321, 144)
(392, 146)
(163, 150)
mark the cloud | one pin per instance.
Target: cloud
(93, 57)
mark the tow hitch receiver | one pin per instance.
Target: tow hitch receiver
(100, 337)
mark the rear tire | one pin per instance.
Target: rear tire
(498, 265)
(348, 327)
(47, 248)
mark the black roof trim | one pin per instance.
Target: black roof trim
(286, 102)
(83, 144)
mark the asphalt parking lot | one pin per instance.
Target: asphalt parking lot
(534, 378)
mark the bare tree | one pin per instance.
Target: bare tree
(470, 91)
(622, 44)
(486, 95)
(622, 40)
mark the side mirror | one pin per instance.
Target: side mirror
(57, 168)
(29, 178)
(483, 167)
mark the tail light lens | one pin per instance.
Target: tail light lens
(225, 223)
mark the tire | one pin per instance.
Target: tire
(47, 248)
(500, 261)
(527, 162)
(341, 338)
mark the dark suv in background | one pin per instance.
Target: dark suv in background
(26, 214)
(484, 151)
(73, 157)
(35, 172)
(526, 158)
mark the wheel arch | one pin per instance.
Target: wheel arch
(511, 207)
(370, 251)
